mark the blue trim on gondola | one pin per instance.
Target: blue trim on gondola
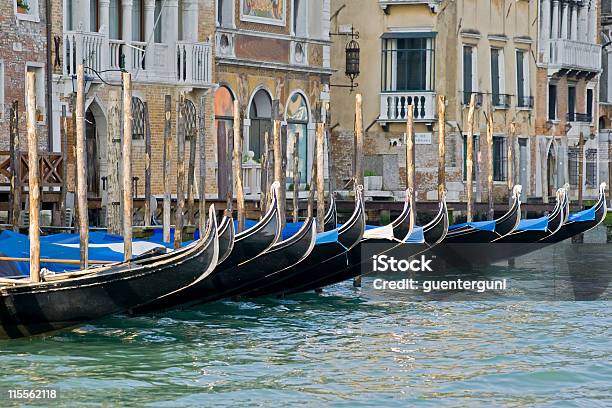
(586, 215)
(535, 224)
(479, 225)
(417, 236)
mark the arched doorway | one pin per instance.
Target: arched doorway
(93, 160)
(224, 123)
(551, 168)
(260, 114)
(297, 130)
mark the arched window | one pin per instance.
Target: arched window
(260, 113)
(138, 119)
(224, 123)
(297, 131)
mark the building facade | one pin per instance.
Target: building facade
(413, 51)
(268, 51)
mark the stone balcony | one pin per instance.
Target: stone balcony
(384, 4)
(574, 56)
(394, 106)
(185, 63)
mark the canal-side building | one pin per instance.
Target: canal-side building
(23, 48)
(267, 51)
(605, 93)
(413, 51)
(167, 47)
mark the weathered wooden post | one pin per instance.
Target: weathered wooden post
(75, 170)
(33, 178)
(441, 146)
(263, 197)
(238, 166)
(166, 169)
(469, 165)
(229, 200)
(113, 140)
(296, 176)
(180, 174)
(126, 159)
(81, 164)
(202, 184)
(410, 178)
(581, 161)
(278, 167)
(320, 135)
(191, 176)
(358, 140)
(330, 150)
(15, 167)
(511, 156)
(490, 197)
(313, 182)
(64, 141)
(147, 203)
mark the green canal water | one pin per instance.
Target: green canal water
(345, 347)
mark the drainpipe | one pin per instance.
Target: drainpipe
(49, 77)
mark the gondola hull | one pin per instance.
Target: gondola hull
(35, 308)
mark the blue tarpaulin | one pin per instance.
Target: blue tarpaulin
(535, 224)
(416, 236)
(479, 225)
(327, 237)
(586, 215)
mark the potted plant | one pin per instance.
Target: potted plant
(372, 181)
(23, 7)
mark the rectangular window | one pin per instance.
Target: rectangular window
(520, 76)
(475, 156)
(495, 77)
(157, 35)
(589, 105)
(500, 158)
(114, 20)
(571, 103)
(468, 73)
(69, 15)
(552, 102)
(572, 163)
(93, 16)
(26, 10)
(300, 21)
(137, 17)
(40, 91)
(407, 64)
(591, 167)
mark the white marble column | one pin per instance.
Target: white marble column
(582, 23)
(126, 28)
(564, 21)
(555, 20)
(149, 19)
(545, 28)
(574, 25)
(190, 20)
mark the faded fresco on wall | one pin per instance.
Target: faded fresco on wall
(263, 11)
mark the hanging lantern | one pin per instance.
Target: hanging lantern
(352, 60)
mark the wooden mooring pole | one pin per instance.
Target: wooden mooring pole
(265, 174)
(490, 197)
(167, 209)
(320, 136)
(278, 168)
(581, 161)
(64, 141)
(126, 160)
(33, 178)
(81, 165)
(180, 174)
(238, 167)
(410, 165)
(15, 167)
(511, 141)
(441, 146)
(202, 184)
(191, 177)
(358, 140)
(113, 141)
(296, 176)
(469, 165)
(147, 203)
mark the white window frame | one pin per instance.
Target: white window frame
(40, 87)
(474, 70)
(556, 84)
(304, 9)
(2, 105)
(502, 70)
(232, 9)
(31, 15)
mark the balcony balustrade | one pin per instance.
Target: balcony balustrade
(394, 106)
(575, 55)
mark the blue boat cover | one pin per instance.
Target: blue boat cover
(416, 236)
(327, 237)
(585, 215)
(479, 225)
(534, 224)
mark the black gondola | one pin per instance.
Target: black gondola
(418, 241)
(329, 254)
(247, 245)
(66, 300)
(331, 217)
